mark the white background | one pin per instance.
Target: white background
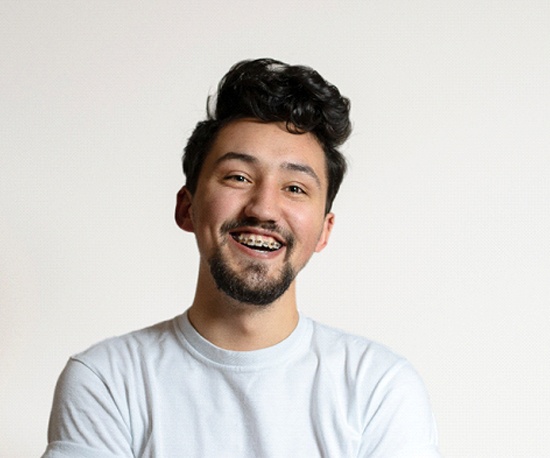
(441, 248)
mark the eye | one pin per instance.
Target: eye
(295, 189)
(237, 178)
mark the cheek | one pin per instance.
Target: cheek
(307, 227)
(212, 211)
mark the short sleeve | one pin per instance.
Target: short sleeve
(85, 420)
(400, 422)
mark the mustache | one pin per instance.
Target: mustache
(270, 226)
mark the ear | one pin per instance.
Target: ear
(183, 216)
(325, 234)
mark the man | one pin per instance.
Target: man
(241, 373)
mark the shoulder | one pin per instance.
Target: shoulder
(353, 349)
(385, 388)
(136, 347)
(99, 390)
(370, 369)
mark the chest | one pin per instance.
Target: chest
(299, 410)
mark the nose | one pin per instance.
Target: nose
(263, 203)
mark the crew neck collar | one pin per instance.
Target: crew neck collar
(269, 356)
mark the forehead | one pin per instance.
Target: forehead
(271, 144)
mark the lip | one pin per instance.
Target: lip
(250, 252)
(257, 231)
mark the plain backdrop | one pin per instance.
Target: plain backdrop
(441, 248)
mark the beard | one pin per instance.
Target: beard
(252, 286)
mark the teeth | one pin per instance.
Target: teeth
(258, 241)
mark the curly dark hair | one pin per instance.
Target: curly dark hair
(272, 91)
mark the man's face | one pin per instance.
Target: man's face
(258, 210)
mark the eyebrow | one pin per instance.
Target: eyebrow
(236, 156)
(248, 158)
(303, 169)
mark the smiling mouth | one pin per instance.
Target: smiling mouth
(257, 242)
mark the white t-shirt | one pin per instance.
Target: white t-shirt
(165, 391)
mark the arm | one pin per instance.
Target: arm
(400, 422)
(85, 420)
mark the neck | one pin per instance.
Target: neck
(243, 327)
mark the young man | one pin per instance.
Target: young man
(241, 373)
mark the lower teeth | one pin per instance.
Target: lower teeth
(259, 247)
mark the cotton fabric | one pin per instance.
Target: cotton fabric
(165, 391)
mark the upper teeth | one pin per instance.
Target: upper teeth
(255, 240)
